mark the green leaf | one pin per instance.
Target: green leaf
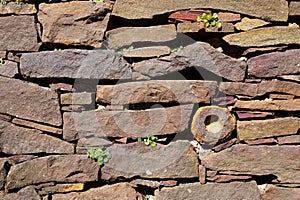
(139, 139)
(153, 144)
(199, 19)
(206, 24)
(209, 16)
(219, 25)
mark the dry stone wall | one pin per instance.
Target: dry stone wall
(223, 102)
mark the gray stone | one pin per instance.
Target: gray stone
(74, 23)
(247, 24)
(196, 191)
(269, 36)
(147, 52)
(127, 123)
(286, 105)
(3, 171)
(19, 140)
(278, 193)
(294, 8)
(176, 160)
(68, 169)
(18, 34)
(85, 64)
(275, 64)
(29, 101)
(199, 55)
(126, 36)
(281, 161)
(83, 98)
(9, 69)
(269, 9)
(25, 193)
(18, 9)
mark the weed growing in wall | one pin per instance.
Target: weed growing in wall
(210, 20)
(101, 155)
(149, 141)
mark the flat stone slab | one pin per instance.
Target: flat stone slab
(234, 190)
(275, 64)
(256, 129)
(147, 52)
(127, 123)
(74, 23)
(269, 36)
(269, 9)
(52, 188)
(157, 91)
(85, 64)
(281, 161)
(198, 55)
(9, 69)
(294, 8)
(276, 193)
(23, 194)
(63, 168)
(82, 98)
(16, 95)
(18, 34)
(285, 105)
(247, 24)
(292, 139)
(176, 160)
(18, 9)
(126, 36)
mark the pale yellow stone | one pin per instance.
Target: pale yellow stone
(248, 24)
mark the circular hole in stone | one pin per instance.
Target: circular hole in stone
(213, 124)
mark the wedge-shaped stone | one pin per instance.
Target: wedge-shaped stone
(265, 37)
(3, 171)
(235, 190)
(199, 55)
(135, 9)
(286, 105)
(147, 52)
(275, 64)
(18, 34)
(74, 23)
(277, 193)
(126, 36)
(122, 191)
(29, 101)
(128, 123)
(69, 169)
(148, 162)
(281, 161)
(19, 9)
(18, 140)
(256, 129)
(85, 64)
(248, 24)
(157, 91)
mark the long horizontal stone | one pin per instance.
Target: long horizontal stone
(277, 193)
(176, 160)
(68, 169)
(248, 24)
(18, 9)
(18, 33)
(126, 36)
(83, 98)
(269, 36)
(234, 190)
(60, 188)
(285, 105)
(147, 52)
(128, 123)
(292, 139)
(135, 9)
(275, 64)
(281, 161)
(19, 140)
(198, 55)
(29, 101)
(157, 91)
(85, 64)
(256, 129)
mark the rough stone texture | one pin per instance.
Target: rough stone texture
(122, 191)
(62, 86)
(293, 139)
(225, 145)
(199, 55)
(86, 64)
(148, 52)
(126, 36)
(189, 27)
(157, 91)
(3, 171)
(12, 160)
(18, 140)
(83, 98)
(73, 168)
(130, 123)
(281, 96)
(265, 37)
(261, 141)
(9, 69)
(295, 78)
(37, 126)
(61, 188)
(5, 118)
(228, 178)
(269, 9)
(74, 23)
(253, 114)
(279, 193)
(195, 191)
(248, 24)
(148, 162)
(275, 64)
(18, 34)
(84, 144)
(276, 105)
(29, 101)
(294, 8)
(18, 9)
(261, 50)
(226, 28)
(229, 17)
(281, 161)
(23, 194)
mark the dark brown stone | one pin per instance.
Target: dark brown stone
(12, 160)
(5, 117)
(68, 169)
(228, 178)
(225, 145)
(25, 193)
(253, 114)
(278, 193)
(18, 33)
(3, 172)
(9, 69)
(224, 100)
(285, 105)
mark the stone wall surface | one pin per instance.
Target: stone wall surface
(149, 100)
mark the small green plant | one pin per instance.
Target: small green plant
(150, 140)
(18, 2)
(210, 20)
(57, 49)
(101, 155)
(125, 49)
(97, 0)
(3, 2)
(1, 61)
(177, 49)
